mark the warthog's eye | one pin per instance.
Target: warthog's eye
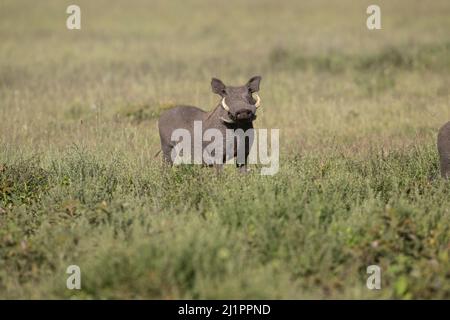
(224, 91)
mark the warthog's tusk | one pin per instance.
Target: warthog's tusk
(224, 105)
(258, 101)
(226, 120)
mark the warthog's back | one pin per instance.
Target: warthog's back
(443, 144)
(179, 117)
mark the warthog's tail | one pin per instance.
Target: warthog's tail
(156, 154)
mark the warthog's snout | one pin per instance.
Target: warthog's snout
(244, 114)
(240, 104)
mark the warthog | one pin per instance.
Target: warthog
(236, 110)
(443, 144)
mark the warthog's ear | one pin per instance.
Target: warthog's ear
(218, 86)
(253, 84)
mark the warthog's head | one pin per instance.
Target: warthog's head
(240, 102)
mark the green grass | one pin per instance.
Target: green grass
(358, 113)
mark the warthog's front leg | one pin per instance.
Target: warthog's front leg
(219, 168)
(243, 166)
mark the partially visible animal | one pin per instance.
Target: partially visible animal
(236, 110)
(443, 144)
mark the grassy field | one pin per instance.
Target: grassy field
(358, 113)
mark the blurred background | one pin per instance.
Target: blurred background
(324, 73)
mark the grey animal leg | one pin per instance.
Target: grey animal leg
(219, 168)
(243, 167)
(167, 150)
